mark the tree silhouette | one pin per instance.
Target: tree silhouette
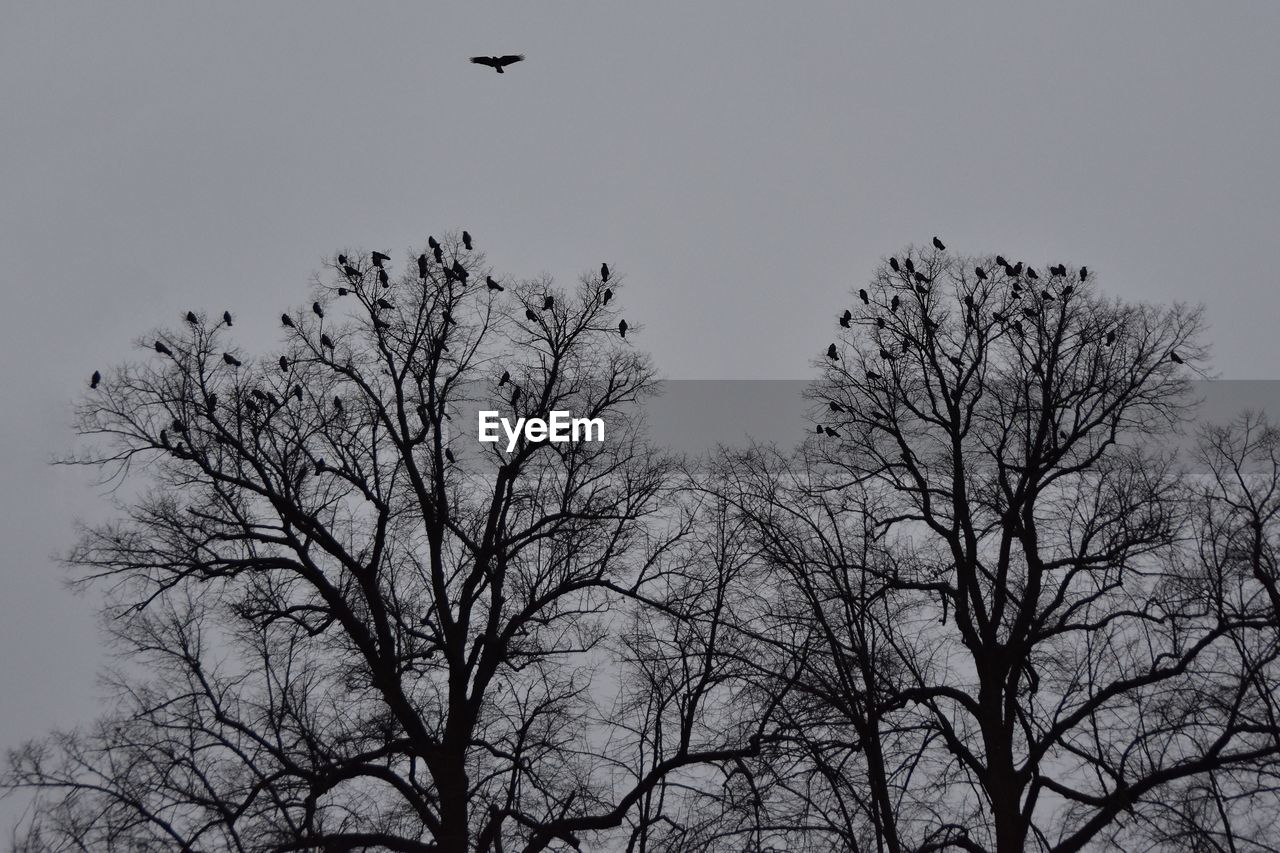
(996, 606)
(345, 626)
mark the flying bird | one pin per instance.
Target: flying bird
(832, 353)
(192, 318)
(497, 63)
(95, 379)
(622, 328)
(226, 317)
(466, 240)
(493, 285)
(230, 359)
(937, 244)
(378, 258)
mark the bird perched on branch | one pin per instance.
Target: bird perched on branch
(497, 63)
(378, 258)
(466, 240)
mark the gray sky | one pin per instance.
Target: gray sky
(744, 164)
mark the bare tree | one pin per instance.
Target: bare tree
(344, 625)
(990, 568)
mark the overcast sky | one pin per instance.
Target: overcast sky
(744, 164)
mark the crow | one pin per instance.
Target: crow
(1031, 273)
(830, 432)
(422, 266)
(497, 63)
(1001, 262)
(604, 272)
(432, 243)
(460, 271)
(531, 315)
(978, 271)
(1111, 337)
(350, 271)
(320, 466)
(466, 240)
(284, 363)
(505, 378)
(95, 379)
(515, 394)
(622, 328)
(608, 294)
(911, 268)
(382, 277)
(894, 303)
(1067, 291)
(317, 310)
(1084, 273)
(342, 291)
(832, 353)
(226, 317)
(834, 406)
(845, 318)
(1175, 358)
(192, 318)
(337, 404)
(326, 341)
(968, 300)
(885, 354)
(880, 324)
(378, 258)
(287, 320)
(438, 253)
(230, 359)
(548, 302)
(1017, 268)
(937, 244)
(893, 265)
(448, 454)
(297, 392)
(873, 376)
(384, 304)
(818, 429)
(342, 259)
(493, 285)
(862, 294)
(162, 349)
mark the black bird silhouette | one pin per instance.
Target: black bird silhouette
(95, 379)
(326, 341)
(845, 318)
(1084, 273)
(230, 359)
(505, 378)
(493, 285)
(830, 432)
(497, 63)
(297, 392)
(1175, 358)
(622, 328)
(911, 268)
(548, 302)
(337, 404)
(834, 406)
(384, 304)
(383, 280)
(1000, 261)
(438, 253)
(317, 310)
(378, 258)
(1017, 327)
(968, 300)
(212, 402)
(287, 320)
(832, 353)
(460, 271)
(379, 324)
(192, 318)
(1111, 337)
(608, 294)
(937, 244)
(530, 314)
(873, 376)
(1031, 273)
(880, 324)
(893, 265)
(862, 294)
(515, 394)
(422, 266)
(955, 361)
(162, 349)
(604, 272)
(980, 273)
(284, 363)
(448, 454)
(466, 240)
(1046, 296)
(885, 354)
(818, 429)
(432, 243)
(350, 271)
(1067, 291)
(342, 260)
(226, 317)
(1017, 268)
(320, 466)
(342, 291)
(894, 303)
(922, 278)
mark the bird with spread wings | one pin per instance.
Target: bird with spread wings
(497, 63)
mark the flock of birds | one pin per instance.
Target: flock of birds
(1021, 276)
(454, 272)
